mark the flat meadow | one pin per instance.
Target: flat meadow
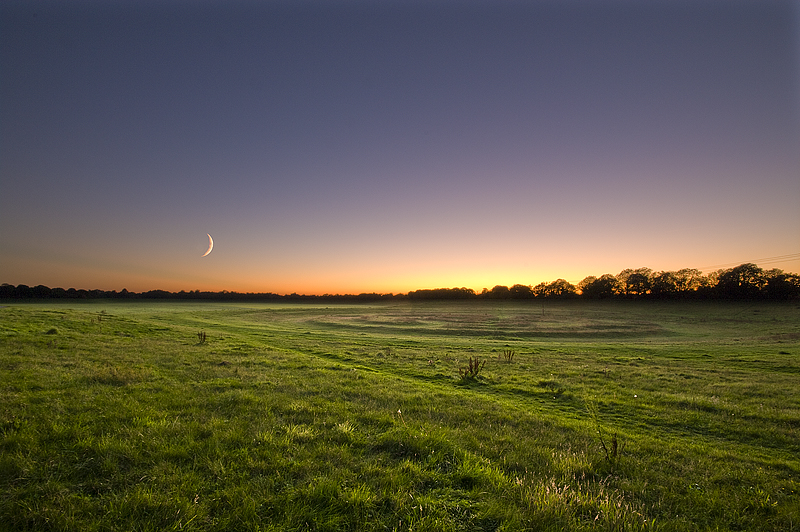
(400, 416)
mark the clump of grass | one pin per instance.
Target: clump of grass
(551, 386)
(52, 330)
(472, 370)
(10, 423)
(507, 356)
(201, 337)
(345, 427)
(298, 433)
(113, 376)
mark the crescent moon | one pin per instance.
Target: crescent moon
(210, 245)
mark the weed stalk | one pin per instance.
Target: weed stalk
(472, 370)
(508, 355)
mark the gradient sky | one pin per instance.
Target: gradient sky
(355, 146)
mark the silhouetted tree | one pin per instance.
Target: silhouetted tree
(664, 285)
(742, 282)
(540, 290)
(708, 288)
(7, 291)
(442, 293)
(59, 293)
(157, 294)
(690, 280)
(561, 289)
(23, 291)
(622, 277)
(601, 288)
(41, 291)
(499, 292)
(781, 286)
(520, 291)
(637, 283)
(583, 285)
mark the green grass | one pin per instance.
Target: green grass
(117, 416)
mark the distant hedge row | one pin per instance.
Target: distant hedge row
(744, 282)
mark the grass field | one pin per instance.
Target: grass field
(585, 416)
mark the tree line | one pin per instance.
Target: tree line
(744, 282)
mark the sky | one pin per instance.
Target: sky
(347, 146)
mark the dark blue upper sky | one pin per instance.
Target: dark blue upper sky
(347, 146)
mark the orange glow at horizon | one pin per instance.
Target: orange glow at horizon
(390, 276)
